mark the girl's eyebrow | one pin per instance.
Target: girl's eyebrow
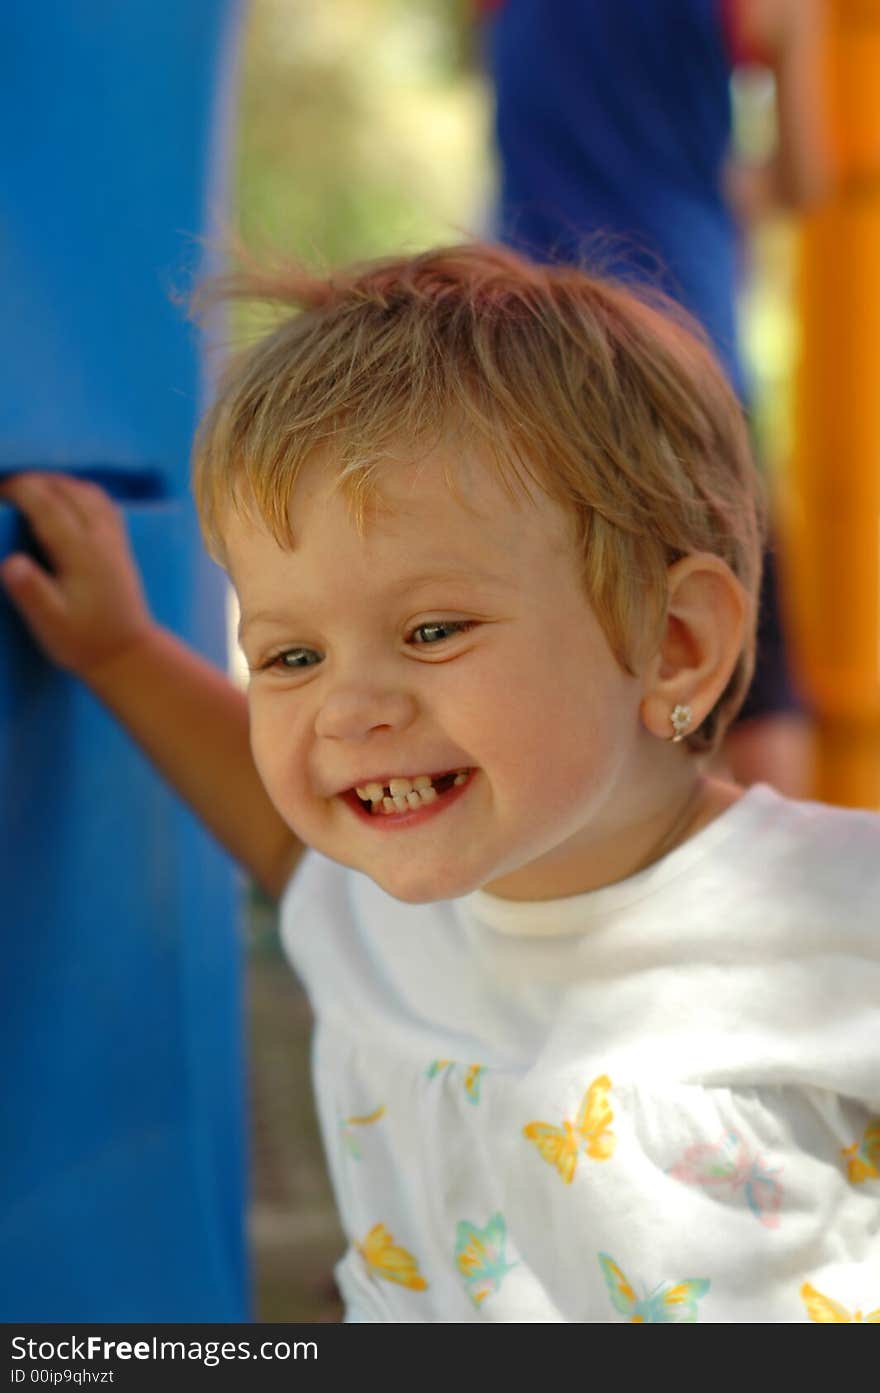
(407, 584)
(262, 616)
(449, 577)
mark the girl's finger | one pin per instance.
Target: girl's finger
(86, 500)
(53, 519)
(36, 596)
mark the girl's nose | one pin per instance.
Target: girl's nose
(353, 713)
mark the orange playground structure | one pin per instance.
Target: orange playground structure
(831, 514)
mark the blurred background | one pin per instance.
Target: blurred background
(364, 127)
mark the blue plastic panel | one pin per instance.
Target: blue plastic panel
(123, 1190)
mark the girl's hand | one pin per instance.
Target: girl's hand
(90, 608)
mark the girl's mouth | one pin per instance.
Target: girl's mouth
(401, 797)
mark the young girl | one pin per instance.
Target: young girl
(597, 1035)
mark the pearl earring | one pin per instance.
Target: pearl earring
(681, 717)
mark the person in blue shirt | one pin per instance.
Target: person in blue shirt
(613, 126)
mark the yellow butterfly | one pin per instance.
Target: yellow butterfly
(349, 1137)
(560, 1145)
(472, 1081)
(389, 1262)
(437, 1066)
(827, 1312)
(367, 1118)
(863, 1157)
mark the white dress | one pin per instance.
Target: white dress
(659, 1101)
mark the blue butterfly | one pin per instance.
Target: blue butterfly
(670, 1303)
(480, 1257)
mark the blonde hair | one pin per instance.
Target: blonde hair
(571, 384)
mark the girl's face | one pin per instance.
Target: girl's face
(449, 648)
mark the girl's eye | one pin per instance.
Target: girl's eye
(436, 631)
(295, 658)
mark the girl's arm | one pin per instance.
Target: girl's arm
(90, 617)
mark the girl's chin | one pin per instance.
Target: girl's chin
(417, 883)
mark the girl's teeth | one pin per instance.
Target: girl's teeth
(402, 794)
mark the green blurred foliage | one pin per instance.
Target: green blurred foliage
(767, 318)
(363, 128)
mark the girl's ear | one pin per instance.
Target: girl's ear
(705, 627)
